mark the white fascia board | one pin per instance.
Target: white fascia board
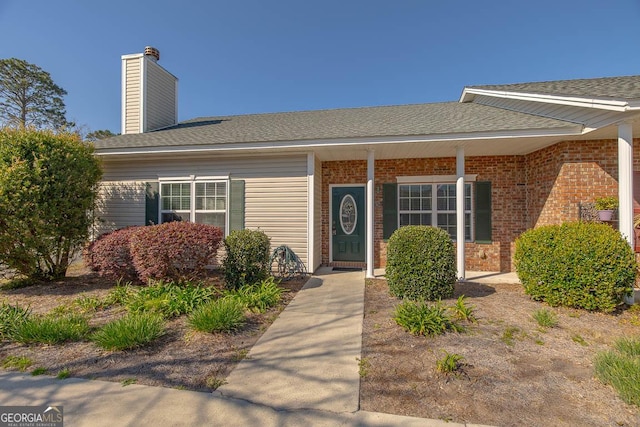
(576, 101)
(574, 130)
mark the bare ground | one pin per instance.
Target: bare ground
(182, 358)
(544, 377)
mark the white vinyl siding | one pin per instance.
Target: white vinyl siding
(317, 195)
(120, 204)
(160, 97)
(132, 92)
(275, 189)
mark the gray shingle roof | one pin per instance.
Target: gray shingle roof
(627, 87)
(401, 120)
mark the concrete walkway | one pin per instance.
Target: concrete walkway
(302, 371)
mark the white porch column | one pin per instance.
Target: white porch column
(370, 211)
(625, 181)
(460, 240)
(311, 212)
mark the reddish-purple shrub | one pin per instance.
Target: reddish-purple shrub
(110, 254)
(174, 250)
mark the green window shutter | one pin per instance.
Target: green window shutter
(483, 212)
(389, 209)
(152, 203)
(236, 205)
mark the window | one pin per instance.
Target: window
(433, 204)
(203, 202)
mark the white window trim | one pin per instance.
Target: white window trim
(434, 180)
(193, 180)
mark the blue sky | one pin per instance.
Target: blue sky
(252, 56)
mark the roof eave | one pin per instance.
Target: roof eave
(569, 130)
(622, 105)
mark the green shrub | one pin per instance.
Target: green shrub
(131, 331)
(247, 258)
(51, 330)
(10, 317)
(621, 369)
(223, 315)
(258, 297)
(421, 318)
(169, 299)
(421, 263)
(48, 189)
(580, 265)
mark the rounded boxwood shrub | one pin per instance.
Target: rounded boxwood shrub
(421, 263)
(582, 265)
(174, 250)
(247, 258)
(110, 254)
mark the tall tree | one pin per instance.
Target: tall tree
(29, 97)
(99, 134)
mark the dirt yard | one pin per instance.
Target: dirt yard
(181, 358)
(514, 374)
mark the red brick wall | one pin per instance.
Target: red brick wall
(544, 187)
(508, 199)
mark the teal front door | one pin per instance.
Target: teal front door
(347, 224)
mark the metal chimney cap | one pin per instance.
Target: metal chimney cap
(152, 51)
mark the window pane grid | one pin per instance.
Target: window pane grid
(416, 207)
(208, 206)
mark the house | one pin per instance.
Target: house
(334, 184)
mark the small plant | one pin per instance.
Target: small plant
(420, 318)
(606, 203)
(132, 331)
(20, 363)
(510, 334)
(38, 371)
(450, 363)
(545, 318)
(247, 258)
(579, 340)
(63, 374)
(51, 330)
(363, 366)
(128, 381)
(240, 354)
(169, 299)
(120, 294)
(258, 297)
(11, 316)
(223, 315)
(88, 304)
(629, 347)
(620, 368)
(421, 263)
(462, 311)
(214, 382)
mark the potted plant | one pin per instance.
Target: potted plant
(606, 206)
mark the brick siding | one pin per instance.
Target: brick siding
(544, 187)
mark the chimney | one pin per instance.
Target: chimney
(149, 93)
